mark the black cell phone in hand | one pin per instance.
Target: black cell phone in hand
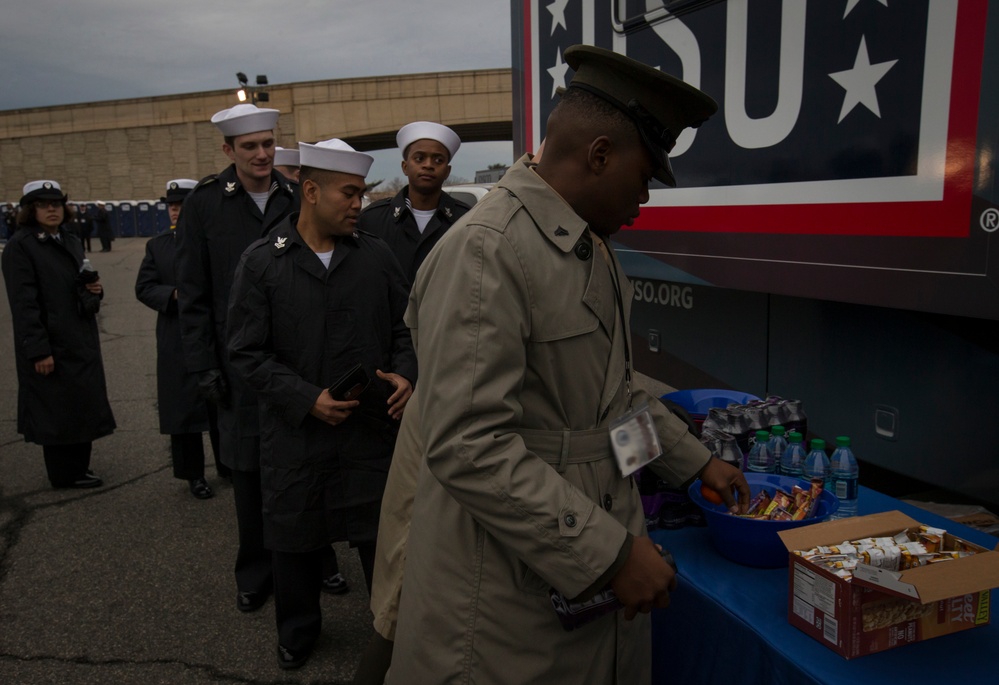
(350, 385)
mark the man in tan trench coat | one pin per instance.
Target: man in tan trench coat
(520, 321)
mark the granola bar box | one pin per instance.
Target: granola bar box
(866, 584)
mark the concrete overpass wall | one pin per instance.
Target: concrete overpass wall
(128, 149)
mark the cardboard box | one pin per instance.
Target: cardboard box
(880, 609)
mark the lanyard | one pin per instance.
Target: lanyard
(605, 251)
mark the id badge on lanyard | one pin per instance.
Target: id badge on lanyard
(634, 439)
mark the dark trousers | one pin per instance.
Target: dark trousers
(331, 566)
(213, 437)
(188, 453)
(297, 589)
(253, 560)
(366, 551)
(66, 463)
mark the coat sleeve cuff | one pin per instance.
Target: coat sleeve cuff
(606, 577)
(39, 350)
(296, 410)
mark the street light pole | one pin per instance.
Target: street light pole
(253, 93)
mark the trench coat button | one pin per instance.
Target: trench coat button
(608, 501)
(570, 520)
(583, 251)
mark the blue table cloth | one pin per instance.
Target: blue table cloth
(727, 624)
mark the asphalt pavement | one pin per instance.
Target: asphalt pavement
(132, 582)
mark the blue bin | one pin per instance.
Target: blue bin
(755, 542)
(697, 402)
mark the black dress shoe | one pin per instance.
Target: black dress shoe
(250, 601)
(335, 584)
(288, 659)
(87, 480)
(200, 489)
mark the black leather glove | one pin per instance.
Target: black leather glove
(88, 302)
(212, 386)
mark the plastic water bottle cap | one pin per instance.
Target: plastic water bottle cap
(843, 441)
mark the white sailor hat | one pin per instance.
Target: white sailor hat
(177, 189)
(41, 190)
(335, 155)
(243, 119)
(285, 157)
(420, 130)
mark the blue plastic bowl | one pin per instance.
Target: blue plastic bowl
(700, 400)
(754, 542)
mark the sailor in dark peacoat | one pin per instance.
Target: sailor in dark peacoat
(391, 219)
(184, 414)
(67, 408)
(221, 217)
(294, 328)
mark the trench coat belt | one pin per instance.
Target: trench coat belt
(564, 447)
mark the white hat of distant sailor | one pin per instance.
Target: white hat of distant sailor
(420, 130)
(177, 189)
(243, 119)
(285, 157)
(335, 155)
(41, 190)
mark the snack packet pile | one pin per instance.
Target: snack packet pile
(906, 549)
(785, 506)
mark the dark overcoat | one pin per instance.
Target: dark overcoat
(392, 220)
(71, 404)
(103, 223)
(181, 408)
(218, 222)
(294, 328)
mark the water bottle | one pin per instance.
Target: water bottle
(817, 463)
(761, 459)
(723, 446)
(794, 417)
(793, 460)
(728, 451)
(777, 445)
(844, 477)
(738, 426)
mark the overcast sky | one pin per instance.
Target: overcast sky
(56, 52)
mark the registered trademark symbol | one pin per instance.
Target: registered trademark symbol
(989, 221)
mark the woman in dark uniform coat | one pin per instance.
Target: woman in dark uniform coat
(183, 412)
(62, 401)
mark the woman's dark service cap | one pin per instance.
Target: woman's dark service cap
(41, 190)
(660, 105)
(178, 189)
